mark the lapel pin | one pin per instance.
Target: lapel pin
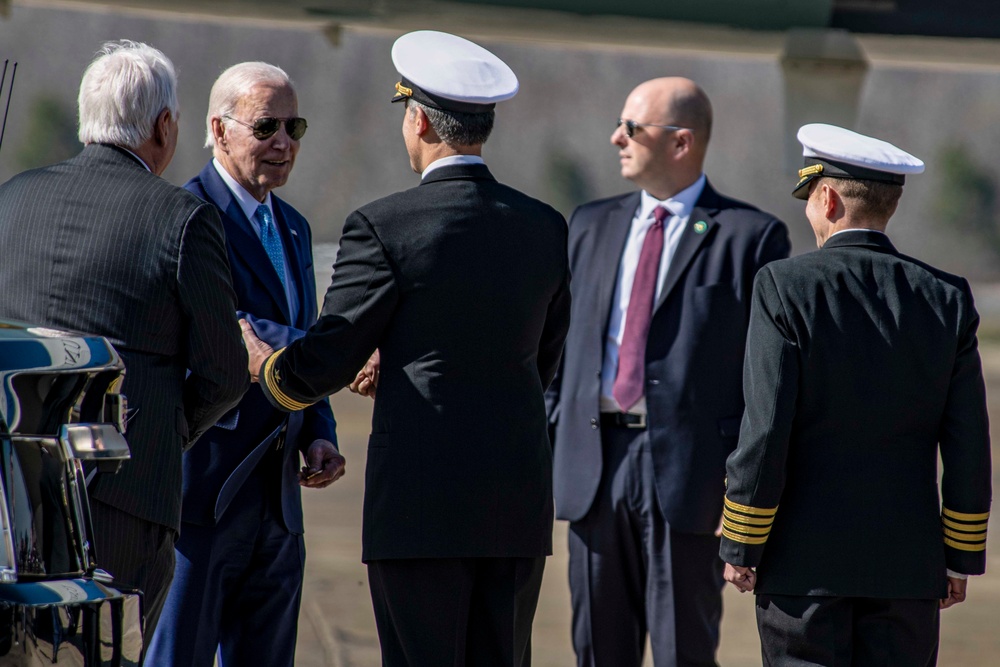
(700, 227)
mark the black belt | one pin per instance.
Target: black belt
(623, 420)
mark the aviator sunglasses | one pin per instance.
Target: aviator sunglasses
(630, 126)
(264, 128)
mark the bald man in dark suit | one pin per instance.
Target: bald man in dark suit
(648, 399)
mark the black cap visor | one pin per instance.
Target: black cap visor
(817, 168)
(406, 89)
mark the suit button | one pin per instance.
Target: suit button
(652, 382)
(593, 422)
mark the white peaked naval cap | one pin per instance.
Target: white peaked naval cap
(448, 72)
(833, 151)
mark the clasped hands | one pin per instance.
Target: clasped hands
(258, 351)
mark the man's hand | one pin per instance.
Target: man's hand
(367, 380)
(325, 465)
(257, 350)
(744, 578)
(956, 592)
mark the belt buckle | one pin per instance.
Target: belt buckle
(640, 421)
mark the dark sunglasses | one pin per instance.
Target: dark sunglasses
(630, 126)
(266, 127)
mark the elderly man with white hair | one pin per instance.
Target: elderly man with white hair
(101, 244)
(241, 553)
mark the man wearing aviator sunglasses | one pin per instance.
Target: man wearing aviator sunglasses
(661, 291)
(241, 483)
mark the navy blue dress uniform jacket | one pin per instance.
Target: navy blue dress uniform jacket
(98, 244)
(694, 354)
(228, 453)
(861, 364)
(462, 284)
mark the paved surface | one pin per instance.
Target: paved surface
(337, 628)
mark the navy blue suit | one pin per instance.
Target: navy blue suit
(644, 503)
(240, 556)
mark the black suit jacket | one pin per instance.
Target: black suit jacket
(462, 284)
(100, 245)
(694, 354)
(861, 363)
(228, 453)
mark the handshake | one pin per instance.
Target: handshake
(258, 351)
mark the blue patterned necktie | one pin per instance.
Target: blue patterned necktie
(272, 242)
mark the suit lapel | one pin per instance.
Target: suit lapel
(699, 227)
(609, 244)
(242, 239)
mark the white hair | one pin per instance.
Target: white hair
(123, 90)
(236, 83)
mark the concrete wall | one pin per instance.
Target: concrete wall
(552, 139)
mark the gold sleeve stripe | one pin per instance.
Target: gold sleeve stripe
(966, 537)
(764, 521)
(284, 399)
(951, 514)
(756, 511)
(961, 546)
(745, 530)
(966, 527)
(736, 537)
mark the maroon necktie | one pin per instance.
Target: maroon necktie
(631, 376)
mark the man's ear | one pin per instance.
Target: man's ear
(219, 132)
(421, 124)
(161, 127)
(683, 142)
(830, 201)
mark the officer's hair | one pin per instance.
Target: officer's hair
(455, 128)
(872, 200)
(123, 91)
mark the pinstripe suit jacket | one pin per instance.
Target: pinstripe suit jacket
(100, 245)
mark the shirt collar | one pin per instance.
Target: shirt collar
(141, 161)
(681, 204)
(451, 160)
(859, 229)
(244, 198)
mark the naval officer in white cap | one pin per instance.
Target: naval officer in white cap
(461, 283)
(861, 367)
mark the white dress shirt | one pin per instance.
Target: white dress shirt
(450, 160)
(249, 206)
(680, 206)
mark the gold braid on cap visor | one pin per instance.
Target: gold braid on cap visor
(806, 172)
(403, 90)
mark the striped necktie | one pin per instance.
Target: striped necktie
(272, 242)
(628, 387)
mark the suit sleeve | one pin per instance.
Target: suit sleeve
(318, 420)
(552, 393)
(357, 308)
(217, 359)
(774, 244)
(756, 469)
(965, 455)
(550, 346)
